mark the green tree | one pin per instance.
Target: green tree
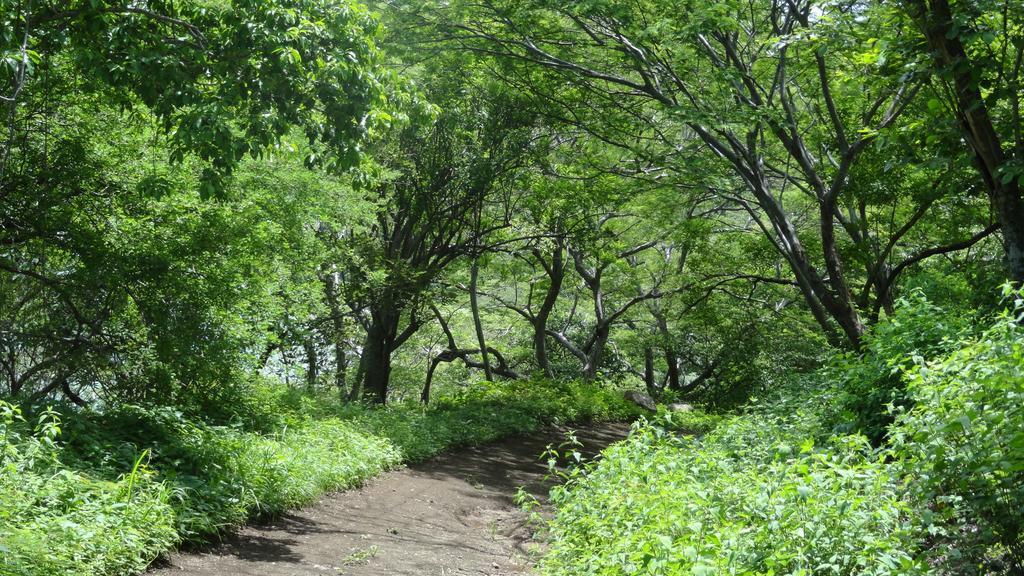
(773, 106)
(428, 184)
(975, 50)
(224, 79)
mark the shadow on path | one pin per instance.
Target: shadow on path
(452, 515)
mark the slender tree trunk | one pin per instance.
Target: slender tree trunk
(649, 370)
(817, 292)
(839, 300)
(1006, 198)
(286, 359)
(70, 394)
(474, 304)
(340, 367)
(357, 383)
(842, 309)
(596, 353)
(540, 349)
(821, 316)
(330, 281)
(425, 393)
(15, 381)
(265, 355)
(312, 364)
(879, 284)
(671, 358)
(556, 275)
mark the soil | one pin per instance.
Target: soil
(453, 515)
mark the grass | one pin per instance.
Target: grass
(112, 490)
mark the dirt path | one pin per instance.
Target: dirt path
(450, 516)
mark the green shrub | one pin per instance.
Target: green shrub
(694, 421)
(867, 384)
(782, 489)
(485, 411)
(962, 451)
(669, 505)
(54, 521)
(221, 476)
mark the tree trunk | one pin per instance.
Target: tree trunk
(649, 370)
(474, 273)
(820, 296)
(540, 349)
(596, 353)
(265, 355)
(330, 281)
(15, 386)
(935, 19)
(883, 294)
(674, 381)
(377, 372)
(556, 275)
(671, 358)
(838, 300)
(425, 393)
(340, 367)
(380, 339)
(312, 367)
(357, 383)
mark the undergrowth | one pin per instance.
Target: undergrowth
(816, 478)
(114, 490)
(747, 498)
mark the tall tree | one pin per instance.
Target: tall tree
(779, 101)
(432, 177)
(976, 50)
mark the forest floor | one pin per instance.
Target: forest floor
(452, 515)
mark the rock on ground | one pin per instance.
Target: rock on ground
(642, 400)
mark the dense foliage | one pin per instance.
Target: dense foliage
(774, 491)
(960, 448)
(127, 484)
(254, 250)
(661, 504)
